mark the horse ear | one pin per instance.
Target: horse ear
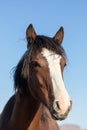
(58, 38)
(30, 34)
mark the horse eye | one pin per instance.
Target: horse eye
(35, 64)
(65, 65)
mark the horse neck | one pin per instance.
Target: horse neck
(29, 114)
(43, 120)
(24, 111)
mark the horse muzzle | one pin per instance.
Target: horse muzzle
(59, 113)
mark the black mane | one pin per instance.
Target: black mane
(21, 73)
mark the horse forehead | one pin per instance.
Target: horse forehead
(51, 57)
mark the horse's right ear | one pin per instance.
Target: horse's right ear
(30, 34)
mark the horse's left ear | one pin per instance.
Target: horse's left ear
(30, 34)
(58, 38)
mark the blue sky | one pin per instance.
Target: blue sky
(46, 16)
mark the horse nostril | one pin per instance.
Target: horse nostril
(70, 103)
(57, 102)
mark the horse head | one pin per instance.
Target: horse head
(40, 71)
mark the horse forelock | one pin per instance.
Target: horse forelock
(20, 81)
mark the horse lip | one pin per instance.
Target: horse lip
(56, 116)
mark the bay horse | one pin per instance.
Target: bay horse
(40, 96)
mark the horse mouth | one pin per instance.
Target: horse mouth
(57, 116)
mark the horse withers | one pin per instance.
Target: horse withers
(40, 96)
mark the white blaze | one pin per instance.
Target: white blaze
(60, 92)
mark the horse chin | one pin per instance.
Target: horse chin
(56, 116)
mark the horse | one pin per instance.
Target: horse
(40, 96)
